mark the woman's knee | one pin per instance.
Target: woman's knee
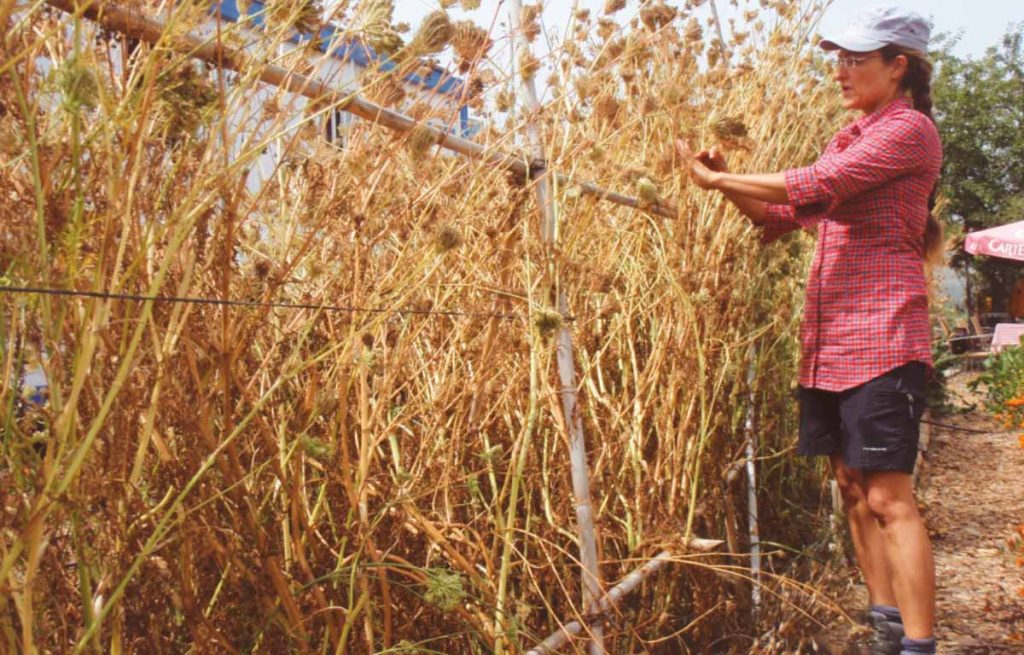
(890, 499)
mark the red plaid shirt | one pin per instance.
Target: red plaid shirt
(866, 302)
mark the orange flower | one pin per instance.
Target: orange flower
(1015, 402)
(1021, 439)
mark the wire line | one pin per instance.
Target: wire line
(252, 304)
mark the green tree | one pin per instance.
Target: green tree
(980, 110)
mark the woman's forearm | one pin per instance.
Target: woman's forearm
(752, 208)
(770, 187)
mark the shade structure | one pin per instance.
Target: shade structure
(1006, 241)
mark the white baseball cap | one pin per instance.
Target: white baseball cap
(877, 27)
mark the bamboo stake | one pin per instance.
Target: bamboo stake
(607, 603)
(590, 572)
(151, 31)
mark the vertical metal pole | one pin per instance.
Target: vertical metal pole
(721, 34)
(591, 577)
(755, 536)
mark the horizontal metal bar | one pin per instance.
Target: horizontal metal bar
(146, 29)
(611, 600)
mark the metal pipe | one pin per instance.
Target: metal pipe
(752, 522)
(607, 603)
(590, 573)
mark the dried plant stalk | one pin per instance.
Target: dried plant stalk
(290, 480)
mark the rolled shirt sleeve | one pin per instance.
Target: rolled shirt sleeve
(779, 220)
(895, 148)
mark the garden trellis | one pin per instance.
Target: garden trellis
(691, 426)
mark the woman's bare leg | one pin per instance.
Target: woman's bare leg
(868, 540)
(890, 498)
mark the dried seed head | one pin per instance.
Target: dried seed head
(421, 140)
(528, 65)
(612, 6)
(587, 86)
(373, 19)
(606, 108)
(780, 38)
(444, 589)
(505, 99)
(694, 32)
(79, 85)
(648, 105)
(261, 269)
(647, 190)
(657, 15)
(730, 127)
(547, 322)
(470, 41)
(530, 21)
(304, 16)
(731, 132)
(317, 449)
(602, 282)
(606, 28)
(447, 238)
(434, 35)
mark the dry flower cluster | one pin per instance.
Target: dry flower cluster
(227, 479)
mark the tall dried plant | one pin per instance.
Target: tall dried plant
(210, 478)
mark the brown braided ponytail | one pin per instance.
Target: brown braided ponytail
(918, 81)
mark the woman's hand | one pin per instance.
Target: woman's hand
(713, 159)
(703, 168)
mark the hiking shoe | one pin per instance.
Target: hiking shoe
(886, 634)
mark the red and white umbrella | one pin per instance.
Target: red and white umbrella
(1006, 241)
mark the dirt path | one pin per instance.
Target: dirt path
(972, 489)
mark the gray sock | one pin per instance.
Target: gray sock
(918, 646)
(889, 612)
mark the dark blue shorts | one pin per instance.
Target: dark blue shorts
(875, 426)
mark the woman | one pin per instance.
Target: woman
(865, 336)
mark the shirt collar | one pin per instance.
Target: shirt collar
(864, 122)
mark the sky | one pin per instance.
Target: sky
(981, 22)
